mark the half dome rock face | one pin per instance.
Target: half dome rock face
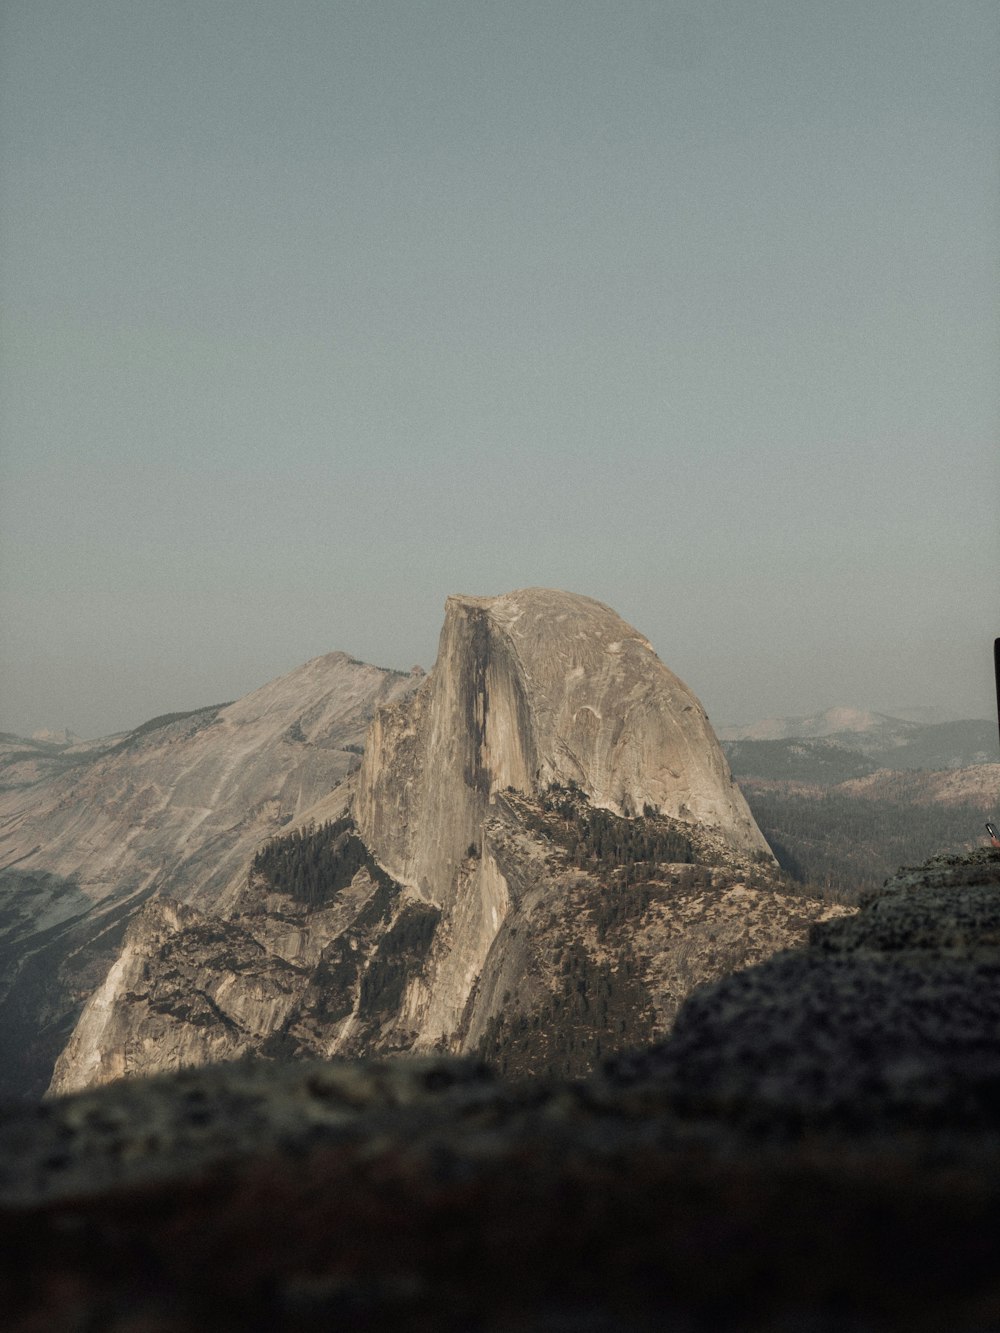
(533, 689)
(543, 855)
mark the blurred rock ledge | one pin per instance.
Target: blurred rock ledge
(816, 1147)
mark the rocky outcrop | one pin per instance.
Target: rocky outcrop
(531, 689)
(595, 929)
(794, 1157)
(91, 832)
(499, 802)
(889, 1020)
(274, 977)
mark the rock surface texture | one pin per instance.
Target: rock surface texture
(177, 807)
(545, 853)
(531, 689)
(889, 1019)
(793, 1158)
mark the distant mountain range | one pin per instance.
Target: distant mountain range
(847, 796)
(842, 743)
(841, 719)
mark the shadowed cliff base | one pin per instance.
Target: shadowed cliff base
(839, 1171)
(56, 944)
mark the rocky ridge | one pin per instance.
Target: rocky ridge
(596, 950)
(793, 1156)
(889, 1020)
(531, 689)
(92, 831)
(547, 852)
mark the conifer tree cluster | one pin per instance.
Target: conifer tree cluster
(599, 1007)
(600, 839)
(314, 864)
(840, 845)
(399, 956)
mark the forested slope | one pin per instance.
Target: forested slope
(846, 838)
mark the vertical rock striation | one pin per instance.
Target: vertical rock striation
(530, 689)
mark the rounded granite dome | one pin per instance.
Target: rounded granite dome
(533, 688)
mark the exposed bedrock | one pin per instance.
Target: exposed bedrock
(533, 688)
(485, 918)
(175, 808)
(530, 689)
(889, 1020)
(807, 1152)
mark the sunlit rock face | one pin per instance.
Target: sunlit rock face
(179, 804)
(533, 688)
(488, 916)
(175, 808)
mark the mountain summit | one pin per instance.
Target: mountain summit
(174, 808)
(542, 852)
(533, 689)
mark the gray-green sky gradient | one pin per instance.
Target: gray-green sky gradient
(316, 312)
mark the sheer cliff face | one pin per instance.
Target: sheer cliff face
(533, 688)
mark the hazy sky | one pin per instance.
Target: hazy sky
(315, 311)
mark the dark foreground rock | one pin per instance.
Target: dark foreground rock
(816, 1148)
